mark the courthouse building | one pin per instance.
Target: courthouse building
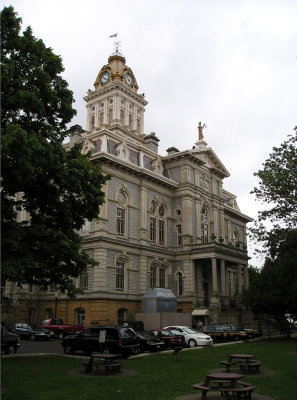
(167, 221)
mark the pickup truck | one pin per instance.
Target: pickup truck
(59, 329)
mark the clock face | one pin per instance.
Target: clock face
(105, 77)
(128, 79)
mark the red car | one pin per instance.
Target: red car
(170, 337)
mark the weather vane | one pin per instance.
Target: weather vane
(117, 45)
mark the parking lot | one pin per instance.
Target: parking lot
(41, 346)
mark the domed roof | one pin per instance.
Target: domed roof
(116, 70)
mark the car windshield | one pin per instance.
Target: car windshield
(189, 330)
(175, 332)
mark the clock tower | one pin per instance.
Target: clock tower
(114, 104)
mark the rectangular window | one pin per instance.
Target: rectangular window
(161, 232)
(147, 163)
(153, 277)
(162, 277)
(112, 147)
(120, 276)
(133, 157)
(83, 281)
(121, 221)
(180, 284)
(179, 235)
(153, 230)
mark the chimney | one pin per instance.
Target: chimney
(151, 142)
(75, 133)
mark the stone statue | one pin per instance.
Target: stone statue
(200, 129)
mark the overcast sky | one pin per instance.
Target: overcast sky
(228, 63)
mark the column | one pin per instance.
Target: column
(187, 212)
(239, 279)
(246, 276)
(214, 275)
(223, 278)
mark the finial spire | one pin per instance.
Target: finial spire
(117, 46)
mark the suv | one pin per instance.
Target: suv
(193, 338)
(9, 341)
(105, 339)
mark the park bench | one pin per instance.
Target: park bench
(251, 367)
(238, 393)
(204, 389)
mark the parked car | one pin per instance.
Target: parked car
(106, 339)
(192, 337)
(149, 342)
(170, 338)
(10, 342)
(251, 333)
(224, 332)
(31, 331)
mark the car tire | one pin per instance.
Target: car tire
(32, 336)
(192, 343)
(68, 349)
(10, 349)
(106, 350)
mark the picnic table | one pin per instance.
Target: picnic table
(243, 361)
(108, 362)
(218, 381)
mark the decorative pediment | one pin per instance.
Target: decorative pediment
(211, 160)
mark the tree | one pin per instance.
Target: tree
(273, 289)
(56, 190)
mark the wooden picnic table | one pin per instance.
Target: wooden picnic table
(221, 380)
(240, 357)
(108, 362)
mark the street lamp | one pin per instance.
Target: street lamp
(56, 303)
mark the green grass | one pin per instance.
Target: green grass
(159, 376)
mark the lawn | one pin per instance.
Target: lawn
(159, 376)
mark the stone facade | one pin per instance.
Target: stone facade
(166, 222)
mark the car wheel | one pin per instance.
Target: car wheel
(60, 335)
(236, 338)
(10, 349)
(68, 349)
(32, 336)
(192, 343)
(106, 350)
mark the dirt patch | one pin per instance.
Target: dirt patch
(262, 372)
(216, 396)
(94, 374)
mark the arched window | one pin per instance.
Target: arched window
(122, 315)
(204, 225)
(153, 277)
(180, 284)
(157, 223)
(110, 115)
(31, 315)
(80, 316)
(123, 199)
(49, 312)
(120, 276)
(158, 275)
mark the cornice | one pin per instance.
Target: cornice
(230, 211)
(135, 169)
(115, 86)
